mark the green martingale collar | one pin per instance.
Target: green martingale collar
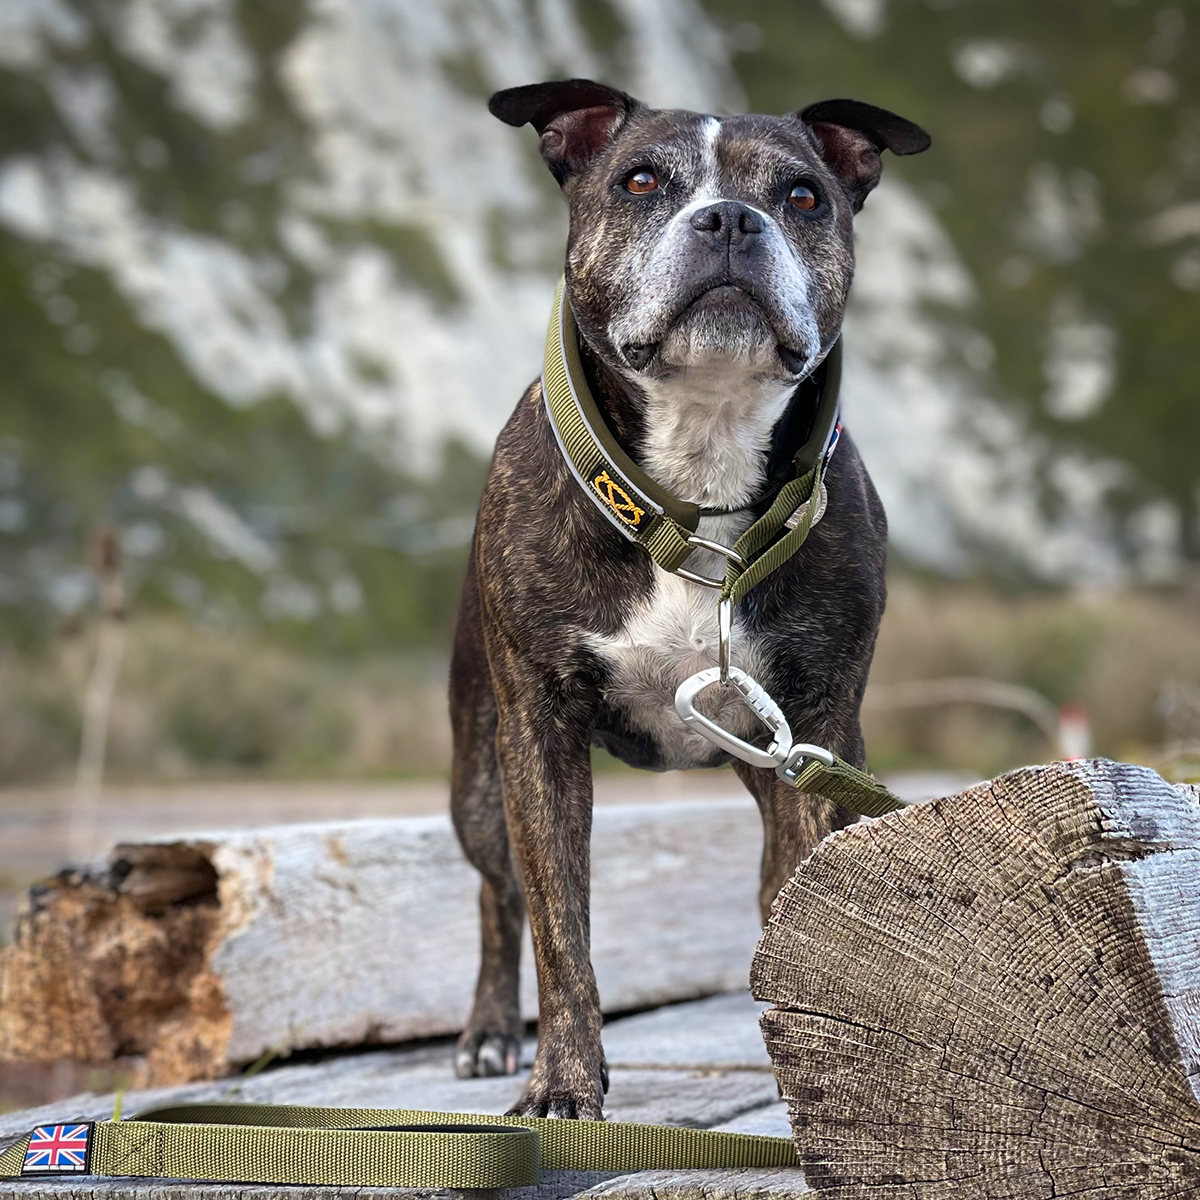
(645, 512)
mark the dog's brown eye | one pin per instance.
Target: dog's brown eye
(641, 182)
(802, 197)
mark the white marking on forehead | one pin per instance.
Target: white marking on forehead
(712, 172)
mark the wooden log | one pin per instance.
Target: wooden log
(997, 994)
(186, 958)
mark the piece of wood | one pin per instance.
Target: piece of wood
(553, 1185)
(997, 994)
(187, 957)
(775, 1183)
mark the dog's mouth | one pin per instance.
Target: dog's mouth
(729, 299)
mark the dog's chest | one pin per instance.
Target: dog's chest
(669, 635)
(706, 439)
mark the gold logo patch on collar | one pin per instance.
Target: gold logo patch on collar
(618, 499)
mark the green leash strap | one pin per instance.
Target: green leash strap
(371, 1147)
(739, 580)
(843, 784)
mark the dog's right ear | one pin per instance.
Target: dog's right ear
(575, 117)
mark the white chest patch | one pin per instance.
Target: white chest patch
(673, 634)
(707, 435)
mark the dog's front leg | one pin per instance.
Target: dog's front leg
(794, 822)
(545, 767)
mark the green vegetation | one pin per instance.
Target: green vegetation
(1131, 661)
(236, 702)
(224, 702)
(239, 516)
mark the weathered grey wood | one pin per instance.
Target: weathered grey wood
(774, 1184)
(226, 946)
(771, 1120)
(719, 1031)
(715, 1034)
(553, 1185)
(997, 994)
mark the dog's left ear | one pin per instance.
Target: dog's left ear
(576, 118)
(851, 135)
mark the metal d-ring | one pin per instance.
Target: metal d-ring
(705, 544)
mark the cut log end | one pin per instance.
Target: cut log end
(998, 993)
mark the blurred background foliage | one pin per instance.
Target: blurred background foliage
(271, 279)
(1066, 169)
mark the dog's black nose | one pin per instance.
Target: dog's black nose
(727, 221)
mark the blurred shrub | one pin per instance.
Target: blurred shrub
(226, 708)
(1118, 656)
(191, 700)
(39, 719)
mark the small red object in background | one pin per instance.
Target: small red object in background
(1074, 733)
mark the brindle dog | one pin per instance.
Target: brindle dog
(708, 264)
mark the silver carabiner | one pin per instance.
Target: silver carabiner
(783, 755)
(759, 703)
(794, 763)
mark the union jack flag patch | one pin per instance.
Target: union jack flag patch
(58, 1150)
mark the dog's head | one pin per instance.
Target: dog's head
(696, 237)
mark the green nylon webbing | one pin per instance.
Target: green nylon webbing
(739, 580)
(848, 786)
(634, 503)
(251, 1143)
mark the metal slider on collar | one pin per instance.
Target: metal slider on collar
(703, 543)
(801, 512)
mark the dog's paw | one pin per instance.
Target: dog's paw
(566, 1106)
(484, 1054)
(566, 1103)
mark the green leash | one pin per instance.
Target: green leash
(645, 513)
(370, 1147)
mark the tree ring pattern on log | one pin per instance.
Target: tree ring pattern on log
(996, 994)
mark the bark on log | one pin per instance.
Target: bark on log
(187, 958)
(997, 994)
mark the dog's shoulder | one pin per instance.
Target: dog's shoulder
(539, 543)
